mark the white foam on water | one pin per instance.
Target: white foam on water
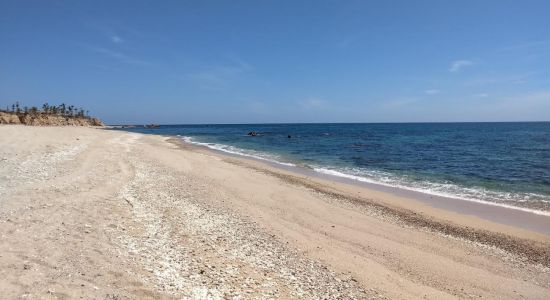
(437, 189)
(447, 190)
(239, 151)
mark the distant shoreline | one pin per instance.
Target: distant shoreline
(536, 220)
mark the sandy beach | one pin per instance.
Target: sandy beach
(100, 214)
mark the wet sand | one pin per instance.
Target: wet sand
(538, 221)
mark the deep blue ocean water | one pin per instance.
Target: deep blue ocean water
(505, 163)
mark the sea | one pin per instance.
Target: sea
(504, 164)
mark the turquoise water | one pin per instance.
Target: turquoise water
(501, 163)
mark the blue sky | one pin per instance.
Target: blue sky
(280, 61)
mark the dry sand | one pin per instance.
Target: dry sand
(91, 213)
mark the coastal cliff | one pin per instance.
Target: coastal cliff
(42, 119)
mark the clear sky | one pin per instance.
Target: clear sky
(174, 62)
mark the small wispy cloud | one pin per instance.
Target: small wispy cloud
(431, 92)
(480, 95)
(114, 32)
(116, 39)
(121, 57)
(458, 65)
(502, 79)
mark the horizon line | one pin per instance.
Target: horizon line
(305, 123)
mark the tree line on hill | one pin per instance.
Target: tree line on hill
(57, 110)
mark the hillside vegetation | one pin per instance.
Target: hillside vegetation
(48, 115)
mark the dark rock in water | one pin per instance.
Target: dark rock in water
(253, 133)
(289, 136)
(152, 126)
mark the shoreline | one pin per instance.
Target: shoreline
(534, 245)
(407, 191)
(525, 218)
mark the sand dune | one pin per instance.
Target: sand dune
(106, 214)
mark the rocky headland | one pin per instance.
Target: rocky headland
(47, 120)
(61, 115)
